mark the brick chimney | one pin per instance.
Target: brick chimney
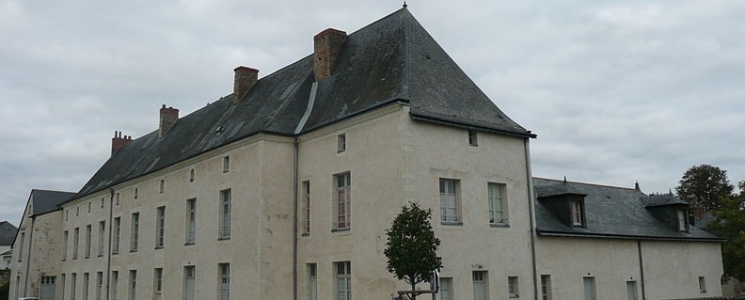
(326, 48)
(168, 116)
(245, 78)
(119, 141)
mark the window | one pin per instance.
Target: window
(545, 287)
(497, 204)
(160, 227)
(480, 288)
(158, 281)
(192, 174)
(450, 201)
(344, 280)
(191, 221)
(577, 210)
(102, 201)
(513, 287)
(134, 234)
(225, 214)
(75, 241)
(116, 197)
(342, 201)
(99, 285)
(306, 208)
(136, 194)
(226, 164)
(114, 284)
(589, 283)
(20, 247)
(190, 276)
(446, 289)
(117, 233)
(88, 241)
(101, 235)
(312, 282)
(341, 143)
(132, 285)
(224, 270)
(162, 186)
(62, 285)
(77, 211)
(73, 285)
(89, 207)
(86, 281)
(631, 290)
(65, 240)
(67, 214)
(702, 284)
(473, 138)
(682, 217)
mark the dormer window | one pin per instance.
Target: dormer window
(682, 218)
(577, 213)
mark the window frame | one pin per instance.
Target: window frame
(134, 234)
(513, 286)
(191, 222)
(498, 204)
(117, 232)
(450, 213)
(577, 213)
(160, 227)
(343, 277)
(223, 273)
(225, 211)
(473, 138)
(681, 219)
(342, 206)
(305, 208)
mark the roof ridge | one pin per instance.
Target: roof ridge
(585, 183)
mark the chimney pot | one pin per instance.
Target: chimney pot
(326, 48)
(117, 142)
(168, 117)
(245, 78)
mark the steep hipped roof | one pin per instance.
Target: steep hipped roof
(44, 201)
(611, 212)
(391, 60)
(7, 233)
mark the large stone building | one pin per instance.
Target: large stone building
(284, 190)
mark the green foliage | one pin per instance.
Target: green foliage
(730, 224)
(4, 290)
(704, 186)
(412, 246)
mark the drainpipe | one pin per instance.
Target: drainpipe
(108, 253)
(294, 219)
(641, 268)
(532, 222)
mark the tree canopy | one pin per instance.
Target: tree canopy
(730, 225)
(412, 246)
(704, 186)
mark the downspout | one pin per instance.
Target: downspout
(641, 268)
(28, 254)
(294, 219)
(532, 222)
(108, 253)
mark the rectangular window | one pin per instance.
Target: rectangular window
(341, 143)
(88, 241)
(190, 276)
(86, 281)
(62, 285)
(497, 204)
(702, 284)
(134, 233)
(473, 138)
(577, 210)
(75, 242)
(225, 214)
(513, 287)
(65, 241)
(20, 247)
(162, 186)
(114, 284)
(101, 236)
(226, 164)
(191, 221)
(446, 289)
(160, 227)
(450, 201)
(99, 285)
(631, 290)
(312, 282)
(132, 285)
(73, 286)
(158, 282)
(224, 270)
(545, 287)
(682, 217)
(306, 208)
(480, 286)
(117, 233)
(116, 198)
(343, 280)
(589, 283)
(342, 201)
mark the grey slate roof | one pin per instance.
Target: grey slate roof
(7, 233)
(393, 60)
(45, 201)
(610, 212)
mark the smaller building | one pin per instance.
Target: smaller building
(7, 234)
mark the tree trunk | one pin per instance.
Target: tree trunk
(413, 289)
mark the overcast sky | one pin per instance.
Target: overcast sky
(617, 91)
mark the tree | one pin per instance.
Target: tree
(730, 225)
(412, 246)
(704, 186)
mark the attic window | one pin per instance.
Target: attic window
(682, 218)
(226, 164)
(473, 138)
(219, 130)
(577, 213)
(162, 186)
(341, 143)
(192, 174)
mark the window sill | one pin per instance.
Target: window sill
(514, 296)
(225, 238)
(499, 225)
(340, 229)
(189, 244)
(114, 253)
(159, 248)
(451, 223)
(305, 234)
(133, 251)
(100, 255)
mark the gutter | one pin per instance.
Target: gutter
(628, 237)
(533, 230)
(294, 219)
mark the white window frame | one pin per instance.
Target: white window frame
(134, 234)
(305, 208)
(473, 139)
(312, 281)
(480, 285)
(160, 227)
(65, 241)
(86, 285)
(158, 281)
(75, 242)
(546, 287)
(577, 211)
(342, 201)
(702, 284)
(114, 284)
(682, 219)
(631, 291)
(162, 186)
(590, 289)
(224, 281)
(191, 221)
(343, 286)
(513, 287)
(88, 234)
(226, 164)
(99, 285)
(341, 142)
(101, 237)
(446, 288)
(225, 213)
(450, 202)
(133, 285)
(498, 213)
(117, 235)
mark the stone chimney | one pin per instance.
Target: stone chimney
(119, 141)
(245, 78)
(326, 48)
(168, 117)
